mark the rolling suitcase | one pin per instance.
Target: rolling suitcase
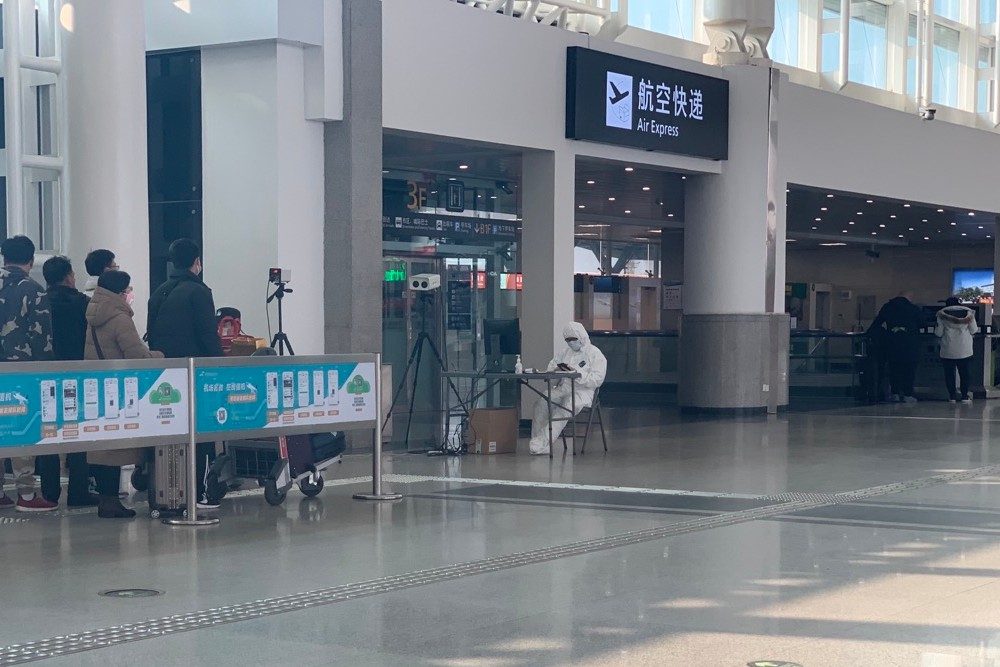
(168, 481)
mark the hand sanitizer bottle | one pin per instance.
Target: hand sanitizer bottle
(518, 366)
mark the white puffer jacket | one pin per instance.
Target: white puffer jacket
(956, 325)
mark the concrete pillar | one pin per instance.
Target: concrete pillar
(548, 191)
(353, 159)
(106, 143)
(734, 335)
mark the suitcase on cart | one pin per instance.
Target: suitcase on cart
(167, 480)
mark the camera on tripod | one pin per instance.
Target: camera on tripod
(278, 276)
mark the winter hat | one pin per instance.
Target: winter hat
(114, 281)
(952, 301)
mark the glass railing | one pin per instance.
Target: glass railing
(639, 357)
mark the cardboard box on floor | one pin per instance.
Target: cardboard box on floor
(492, 431)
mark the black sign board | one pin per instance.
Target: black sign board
(451, 226)
(615, 100)
(460, 299)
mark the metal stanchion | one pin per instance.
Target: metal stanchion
(192, 464)
(377, 493)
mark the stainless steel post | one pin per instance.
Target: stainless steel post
(376, 493)
(192, 464)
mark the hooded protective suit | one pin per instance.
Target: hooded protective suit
(592, 366)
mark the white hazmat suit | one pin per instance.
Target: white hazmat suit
(592, 366)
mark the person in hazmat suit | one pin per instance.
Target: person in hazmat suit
(579, 356)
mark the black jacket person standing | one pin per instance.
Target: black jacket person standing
(69, 332)
(898, 324)
(181, 323)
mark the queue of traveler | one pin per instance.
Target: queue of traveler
(895, 338)
(63, 323)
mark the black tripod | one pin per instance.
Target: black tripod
(280, 340)
(413, 364)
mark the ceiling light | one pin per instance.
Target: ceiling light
(452, 178)
(791, 241)
(818, 219)
(670, 215)
(874, 233)
(493, 197)
(581, 206)
(924, 220)
(972, 213)
(646, 188)
(385, 171)
(906, 206)
(829, 196)
(463, 166)
(655, 231)
(859, 213)
(870, 201)
(940, 210)
(963, 234)
(629, 169)
(988, 236)
(627, 212)
(815, 227)
(684, 178)
(831, 245)
(602, 224)
(954, 224)
(822, 208)
(590, 182)
(980, 226)
(843, 231)
(611, 198)
(910, 229)
(882, 226)
(901, 236)
(893, 216)
(851, 222)
(927, 238)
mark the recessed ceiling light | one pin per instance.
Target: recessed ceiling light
(859, 213)
(818, 219)
(870, 201)
(906, 206)
(940, 210)
(590, 182)
(493, 196)
(874, 233)
(611, 198)
(629, 169)
(893, 216)
(901, 236)
(791, 241)
(924, 220)
(843, 231)
(980, 226)
(851, 222)
(655, 231)
(385, 171)
(963, 234)
(910, 229)
(882, 226)
(684, 178)
(627, 212)
(822, 208)
(463, 166)
(954, 224)
(670, 215)
(972, 213)
(829, 196)
(831, 245)
(581, 206)
(646, 188)
(815, 227)
(927, 238)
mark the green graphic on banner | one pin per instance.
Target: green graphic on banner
(251, 398)
(86, 406)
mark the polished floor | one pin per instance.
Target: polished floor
(693, 541)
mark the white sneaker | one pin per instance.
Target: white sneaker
(967, 400)
(203, 504)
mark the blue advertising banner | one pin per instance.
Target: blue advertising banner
(87, 405)
(257, 397)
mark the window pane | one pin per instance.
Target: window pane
(983, 96)
(670, 17)
(784, 46)
(949, 9)
(946, 66)
(911, 61)
(987, 11)
(868, 43)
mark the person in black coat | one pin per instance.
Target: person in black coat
(181, 320)
(69, 332)
(897, 326)
(181, 323)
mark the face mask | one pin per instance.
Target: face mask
(130, 297)
(575, 345)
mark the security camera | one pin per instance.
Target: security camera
(425, 282)
(926, 113)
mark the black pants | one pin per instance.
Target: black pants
(108, 479)
(47, 468)
(962, 366)
(903, 353)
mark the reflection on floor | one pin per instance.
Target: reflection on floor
(562, 562)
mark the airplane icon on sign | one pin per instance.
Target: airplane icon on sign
(616, 95)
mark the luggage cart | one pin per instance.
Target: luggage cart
(276, 464)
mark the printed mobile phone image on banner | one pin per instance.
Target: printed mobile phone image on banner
(250, 398)
(54, 408)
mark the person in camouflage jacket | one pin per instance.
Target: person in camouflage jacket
(25, 335)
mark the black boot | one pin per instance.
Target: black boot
(110, 507)
(89, 500)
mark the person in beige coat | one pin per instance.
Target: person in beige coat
(111, 334)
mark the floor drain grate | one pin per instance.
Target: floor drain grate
(131, 593)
